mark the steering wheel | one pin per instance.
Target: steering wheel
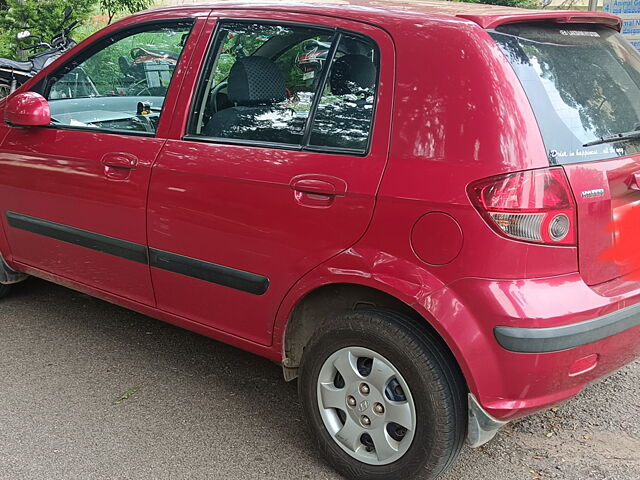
(213, 96)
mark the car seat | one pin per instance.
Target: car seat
(256, 87)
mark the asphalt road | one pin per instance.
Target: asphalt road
(199, 409)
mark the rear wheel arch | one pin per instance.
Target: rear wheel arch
(315, 308)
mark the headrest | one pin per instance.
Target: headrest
(352, 74)
(256, 81)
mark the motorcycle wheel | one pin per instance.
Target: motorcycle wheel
(5, 89)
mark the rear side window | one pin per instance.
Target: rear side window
(345, 111)
(287, 85)
(583, 83)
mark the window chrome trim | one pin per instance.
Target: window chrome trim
(242, 142)
(280, 146)
(108, 131)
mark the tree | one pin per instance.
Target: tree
(42, 17)
(114, 7)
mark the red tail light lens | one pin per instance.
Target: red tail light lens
(533, 206)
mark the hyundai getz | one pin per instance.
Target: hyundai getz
(417, 208)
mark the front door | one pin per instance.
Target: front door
(73, 194)
(276, 169)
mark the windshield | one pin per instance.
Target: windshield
(583, 83)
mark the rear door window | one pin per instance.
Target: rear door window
(583, 83)
(287, 85)
(257, 90)
(345, 112)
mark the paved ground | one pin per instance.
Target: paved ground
(203, 410)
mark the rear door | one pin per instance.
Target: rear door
(583, 82)
(273, 170)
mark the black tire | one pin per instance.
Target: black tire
(4, 290)
(434, 380)
(5, 88)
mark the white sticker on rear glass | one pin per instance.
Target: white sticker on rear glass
(579, 33)
(308, 75)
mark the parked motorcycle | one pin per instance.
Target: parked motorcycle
(15, 73)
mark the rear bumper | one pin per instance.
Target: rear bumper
(525, 345)
(555, 339)
(481, 427)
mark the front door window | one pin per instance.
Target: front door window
(121, 86)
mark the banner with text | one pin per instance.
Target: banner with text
(629, 10)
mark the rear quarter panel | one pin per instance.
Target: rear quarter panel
(460, 115)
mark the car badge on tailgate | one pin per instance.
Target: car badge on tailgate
(596, 192)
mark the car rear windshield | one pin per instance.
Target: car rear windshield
(583, 83)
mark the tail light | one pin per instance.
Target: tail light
(534, 206)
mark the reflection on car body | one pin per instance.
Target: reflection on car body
(408, 205)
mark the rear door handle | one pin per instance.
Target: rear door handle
(319, 184)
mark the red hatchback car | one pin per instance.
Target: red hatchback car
(414, 207)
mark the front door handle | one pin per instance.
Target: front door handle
(118, 165)
(119, 160)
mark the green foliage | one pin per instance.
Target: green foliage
(43, 18)
(86, 29)
(114, 7)
(128, 394)
(288, 66)
(105, 68)
(242, 42)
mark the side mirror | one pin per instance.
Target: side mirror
(23, 34)
(27, 109)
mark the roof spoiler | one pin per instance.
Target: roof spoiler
(559, 16)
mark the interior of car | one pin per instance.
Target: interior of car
(267, 95)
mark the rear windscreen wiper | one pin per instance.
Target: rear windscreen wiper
(616, 137)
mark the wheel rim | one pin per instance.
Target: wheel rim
(366, 405)
(5, 90)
